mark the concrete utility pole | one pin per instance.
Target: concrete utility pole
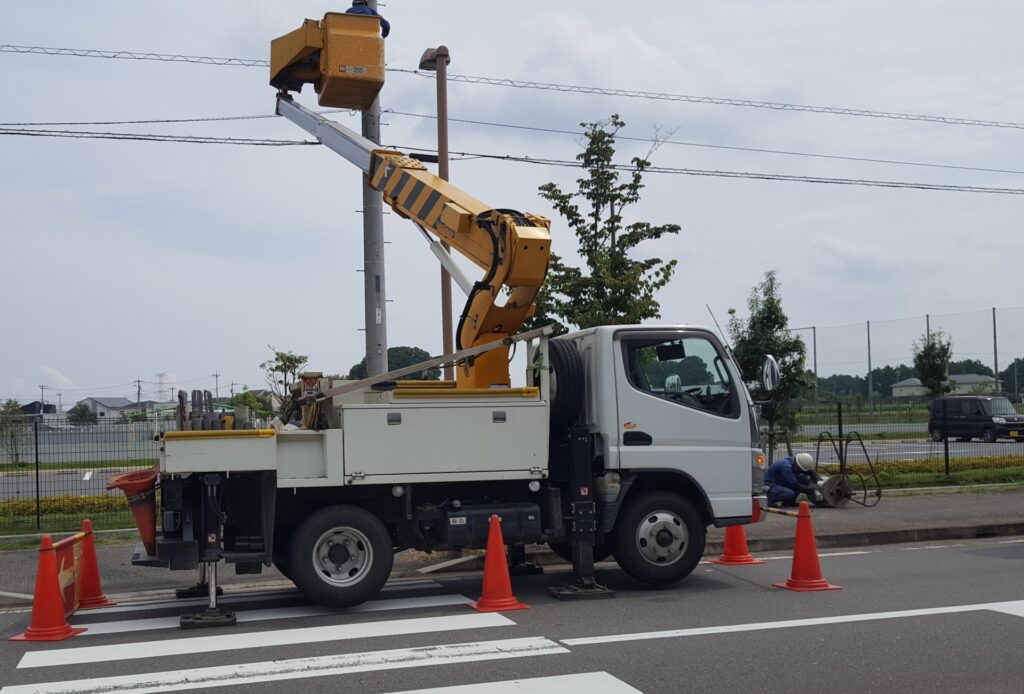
(438, 59)
(216, 385)
(375, 316)
(42, 399)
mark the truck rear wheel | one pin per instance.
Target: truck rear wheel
(340, 556)
(659, 538)
(566, 383)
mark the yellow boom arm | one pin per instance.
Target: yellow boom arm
(512, 248)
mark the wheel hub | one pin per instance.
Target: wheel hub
(342, 556)
(661, 538)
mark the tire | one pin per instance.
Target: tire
(340, 556)
(659, 538)
(566, 383)
(936, 434)
(564, 551)
(988, 436)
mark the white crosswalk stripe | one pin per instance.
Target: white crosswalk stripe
(299, 668)
(456, 619)
(99, 628)
(589, 682)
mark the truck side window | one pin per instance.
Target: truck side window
(687, 371)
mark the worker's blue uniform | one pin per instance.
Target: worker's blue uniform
(385, 26)
(784, 480)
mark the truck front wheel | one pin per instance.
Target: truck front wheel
(659, 538)
(340, 556)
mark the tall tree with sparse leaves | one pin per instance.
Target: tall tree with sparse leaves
(766, 331)
(612, 288)
(931, 359)
(282, 370)
(14, 429)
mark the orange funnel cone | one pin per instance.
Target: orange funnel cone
(90, 590)
(497, 591)
(140, 488)
(735, 550)
(806, 573)
(49, 619)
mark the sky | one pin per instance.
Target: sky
(122, 260)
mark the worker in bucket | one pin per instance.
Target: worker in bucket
(788, 478)
(362, 7)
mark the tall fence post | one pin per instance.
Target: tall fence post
(35, 437)
(842, 448)
(945, 432)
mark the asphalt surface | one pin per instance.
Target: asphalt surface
(981, 513)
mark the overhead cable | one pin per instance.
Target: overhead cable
(543, 86)
(192, 139)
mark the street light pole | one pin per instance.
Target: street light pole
(437, 59)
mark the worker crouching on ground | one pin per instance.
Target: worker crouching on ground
(788, 478)
(361, 7)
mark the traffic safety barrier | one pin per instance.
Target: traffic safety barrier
(496, 595)
(67, 579)
(139, 486)
(806, 570)
(735, 551)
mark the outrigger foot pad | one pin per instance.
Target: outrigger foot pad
(208, 618)
(581, 591)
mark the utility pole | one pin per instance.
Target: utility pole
(138, 394)
(233, 384)
(374, 313)
(60, 402)
(216, 385)
(438, 59)
(42, 399)
(160, 387)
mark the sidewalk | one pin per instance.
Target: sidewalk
(916, 517)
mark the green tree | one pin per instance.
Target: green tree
(931, 361)
(13, 431)
(1011, 379)
(399, 358)
(883, 378)
(612, 288)
(766, 331)
(281, 371)
(258, 407)
(81, 414)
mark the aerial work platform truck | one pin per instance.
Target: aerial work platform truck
(625, 441)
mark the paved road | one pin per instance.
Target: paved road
(22, 485)
(947, 617)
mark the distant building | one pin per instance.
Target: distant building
(37, 407)
(107, 407)
(971, 384)
(909, 388)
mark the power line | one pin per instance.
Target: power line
(513, 126)
(193, 139)
(538, 161)
(542, 86)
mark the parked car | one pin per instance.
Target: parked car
(966, 417)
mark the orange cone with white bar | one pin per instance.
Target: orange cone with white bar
(497, 591)
(91, 592)
(49, 618)
(735, 551)
(806, 572)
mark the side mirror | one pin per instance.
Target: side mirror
(770, 374)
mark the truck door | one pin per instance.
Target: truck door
(680, 409)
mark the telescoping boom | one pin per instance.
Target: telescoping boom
(512, 248)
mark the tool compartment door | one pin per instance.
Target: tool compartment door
(427, 442)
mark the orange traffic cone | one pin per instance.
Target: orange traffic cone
(49, 620)
(806, 572)
(90, 590)
(139, 487)
(497, 591)
(735, 550)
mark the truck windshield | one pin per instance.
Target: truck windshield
(998, 406)
(687, 370)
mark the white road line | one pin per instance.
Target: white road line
(260, 639)
(123, 626)
(1014, 608)
(87, 477)
(300, 668)
(589, 682)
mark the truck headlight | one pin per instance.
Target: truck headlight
(999, 420)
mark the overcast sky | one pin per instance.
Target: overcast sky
(122, 260)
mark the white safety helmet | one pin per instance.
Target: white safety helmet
(804, 461)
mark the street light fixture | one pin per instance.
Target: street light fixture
(437, 60)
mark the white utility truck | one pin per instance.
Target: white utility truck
(625, 440)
